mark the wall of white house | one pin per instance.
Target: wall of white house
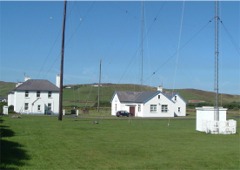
(179, 106)
(152, 108)
(156, 111)
(10, 99)
(36, 105)
(115, 105)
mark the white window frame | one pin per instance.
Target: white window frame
(26, 106)
(164, 108)
(49, 94)
(38, 94)
(153, 108)
(139, 108)
(26, 93)
(49, 106)
(39, 107)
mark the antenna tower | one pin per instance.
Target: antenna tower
(216, 75)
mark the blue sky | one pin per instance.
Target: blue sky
(178, 43)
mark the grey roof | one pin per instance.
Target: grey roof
(136, 97)
(37, 85)
(170, 95)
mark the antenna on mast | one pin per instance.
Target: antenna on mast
(216, 74)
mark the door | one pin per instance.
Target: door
(132, 110)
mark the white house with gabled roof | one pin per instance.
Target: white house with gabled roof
(148, 103)
(35, 96)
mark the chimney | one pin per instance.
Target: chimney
(58, 80)
(26, 78)
(160, 88)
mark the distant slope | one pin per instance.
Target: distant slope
(209, 97)
(86, 94)
(5, 88)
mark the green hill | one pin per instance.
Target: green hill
(85, 95)
(5, 88)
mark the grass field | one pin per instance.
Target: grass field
(43, 142)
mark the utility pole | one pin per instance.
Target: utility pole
(142, 38)
(99, 83)
(62, 63)
(216, 75)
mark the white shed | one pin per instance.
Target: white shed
(205, 121)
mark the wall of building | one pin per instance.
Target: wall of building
(179, 106)
(34, 102)
(163, 100)
(204, 114)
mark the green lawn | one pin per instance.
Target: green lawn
(43, 142)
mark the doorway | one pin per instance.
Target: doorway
(132, 110)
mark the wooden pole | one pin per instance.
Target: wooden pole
(62, 63)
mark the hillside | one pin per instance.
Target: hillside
(5, 88)
(86, 94)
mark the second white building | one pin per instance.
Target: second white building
(148, 103)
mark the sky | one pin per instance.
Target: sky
(171, 43)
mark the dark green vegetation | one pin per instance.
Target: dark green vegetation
(43, 142)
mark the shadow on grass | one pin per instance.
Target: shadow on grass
(12, 153)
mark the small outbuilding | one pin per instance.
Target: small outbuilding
(206, 121)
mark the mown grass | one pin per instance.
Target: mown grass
(118, 143)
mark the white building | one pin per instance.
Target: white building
(148, 103)
(205, 121)
(35, 96)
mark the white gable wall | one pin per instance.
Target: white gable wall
(179, 106)
(115, 105)
(163, 100)
(10, 99)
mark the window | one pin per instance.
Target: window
(26, 106)
(49, 94)
(139, 108)
(38, 93)
(179, 109)
(26, 93)
(175, 98)
(153, 108)
(49, 106)
(39, 107)
(158, 96)
(164, 108)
